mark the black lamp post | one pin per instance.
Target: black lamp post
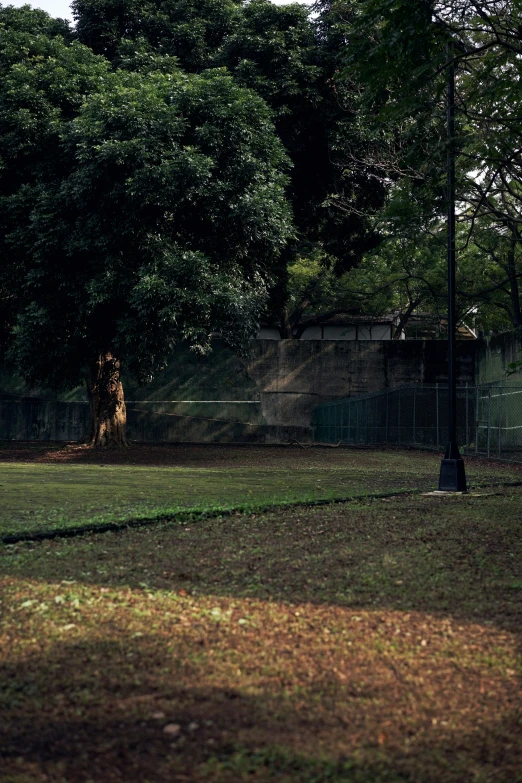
(452, 474)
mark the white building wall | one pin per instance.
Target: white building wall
(312, 333)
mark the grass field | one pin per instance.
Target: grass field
(373, 641)
(48, 495)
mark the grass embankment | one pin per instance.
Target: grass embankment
(376, 641)
(44, 496)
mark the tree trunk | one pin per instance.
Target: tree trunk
(405, 317)
(513, 281)
(108, 414)
(285, 327)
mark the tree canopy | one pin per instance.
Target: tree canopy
(285, 56)
(394, 75)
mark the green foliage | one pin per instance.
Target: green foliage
(33, 21)
(283, 54)
(399, 56)
(155, 211)
(191, 30)
(43, 78)
(514, 367)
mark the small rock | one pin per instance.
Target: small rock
(193, 726)
(158, 715)
(172, 729)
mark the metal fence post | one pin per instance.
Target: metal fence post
(414, 413)
(500, 423)
(467, 415)
(489, 419)
(387, 413)
(476, 418)
(399, 420)
(437, 411)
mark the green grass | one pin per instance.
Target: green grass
(41, 497)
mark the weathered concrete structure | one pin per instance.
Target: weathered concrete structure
(293, 376)
(36, 419)
(51, 420)
(494, 354)
(277, 386)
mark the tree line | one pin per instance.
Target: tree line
(174, 168)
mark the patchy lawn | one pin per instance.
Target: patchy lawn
(372, 641)
(50, 487)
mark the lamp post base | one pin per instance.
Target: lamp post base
(452, 473)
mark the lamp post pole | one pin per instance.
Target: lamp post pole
(452, 473)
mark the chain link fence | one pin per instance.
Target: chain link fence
(489, 419)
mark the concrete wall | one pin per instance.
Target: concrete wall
(169, 428)
(36, 419)
(50, 420)
(293, 376)
(495, 353)
(289, 377)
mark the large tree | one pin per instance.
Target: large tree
(289, 58)
(191, 30)
(157, 216)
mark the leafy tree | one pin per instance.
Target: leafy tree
(191, 30)
(158, 218)
(399, 54)
(43, 78)
(288, 58)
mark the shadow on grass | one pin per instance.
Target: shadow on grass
(216, 455)
(111, 726)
